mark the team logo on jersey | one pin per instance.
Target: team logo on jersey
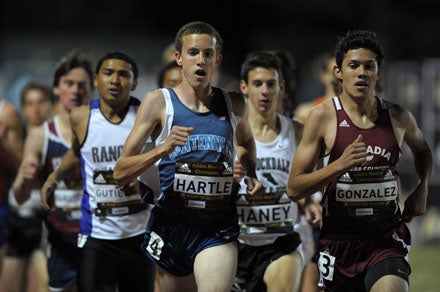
(344, 124)
(100, 179)
(376, 150)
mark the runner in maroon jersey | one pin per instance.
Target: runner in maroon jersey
(364, 241)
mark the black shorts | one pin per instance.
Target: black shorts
(25, 235)
(106, 264)
(62, 260)
(392, 266)
(253, 261)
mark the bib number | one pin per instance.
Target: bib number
(155, 245)
(326, 265)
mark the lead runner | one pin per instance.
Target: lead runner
(192, 233)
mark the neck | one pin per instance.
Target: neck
(196, 99)
(264, 125)
(116, 112)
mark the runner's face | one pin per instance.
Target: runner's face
(115, 81)
(262, 89)
(359, 73)
(199, 59)
(36, 107)
(74, 88)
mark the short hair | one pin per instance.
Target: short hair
(359, 39)
(198, 27)
(119, 56)
(261, 59)
(164, 69)
(34, 85)
(72, 60)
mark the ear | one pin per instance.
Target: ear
(283, 85)
(95, 81)
(338, 72)
(379, 72)
(56, 91)
(133, 87)
(219, 59)
(243, 87)
(178, 58)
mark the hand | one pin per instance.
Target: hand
(177, 137)
(239, 171)
(132, 188)
(354, 155)
(47, 190)
(415, 204)
(313, 214)
(254, 186)
(29, 171)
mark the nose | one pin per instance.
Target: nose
(114, 78)
(201, 58)
(76, 87)
(362, 70)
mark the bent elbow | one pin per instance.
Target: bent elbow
(294, 193)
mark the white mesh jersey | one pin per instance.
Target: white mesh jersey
(264, 219)
(99, 153)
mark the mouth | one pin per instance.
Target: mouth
(264, 102)
(113, 91)
(201, 73)
(361, 85)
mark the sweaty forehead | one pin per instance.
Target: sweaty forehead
(199, 41)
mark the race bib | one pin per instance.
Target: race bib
(204, 185)
(105, 189)
(67, 199)
(326, 265)
(363, 192)
(267, 213)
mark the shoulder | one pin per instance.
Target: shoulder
(399, 115)
(322, 111)
(302, 110)
(80, 113)
(79, 119)
(10, 114)
(152, 106)
(154, 96)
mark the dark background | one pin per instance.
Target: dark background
(408, 29)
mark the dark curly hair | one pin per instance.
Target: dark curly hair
(359, 39)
